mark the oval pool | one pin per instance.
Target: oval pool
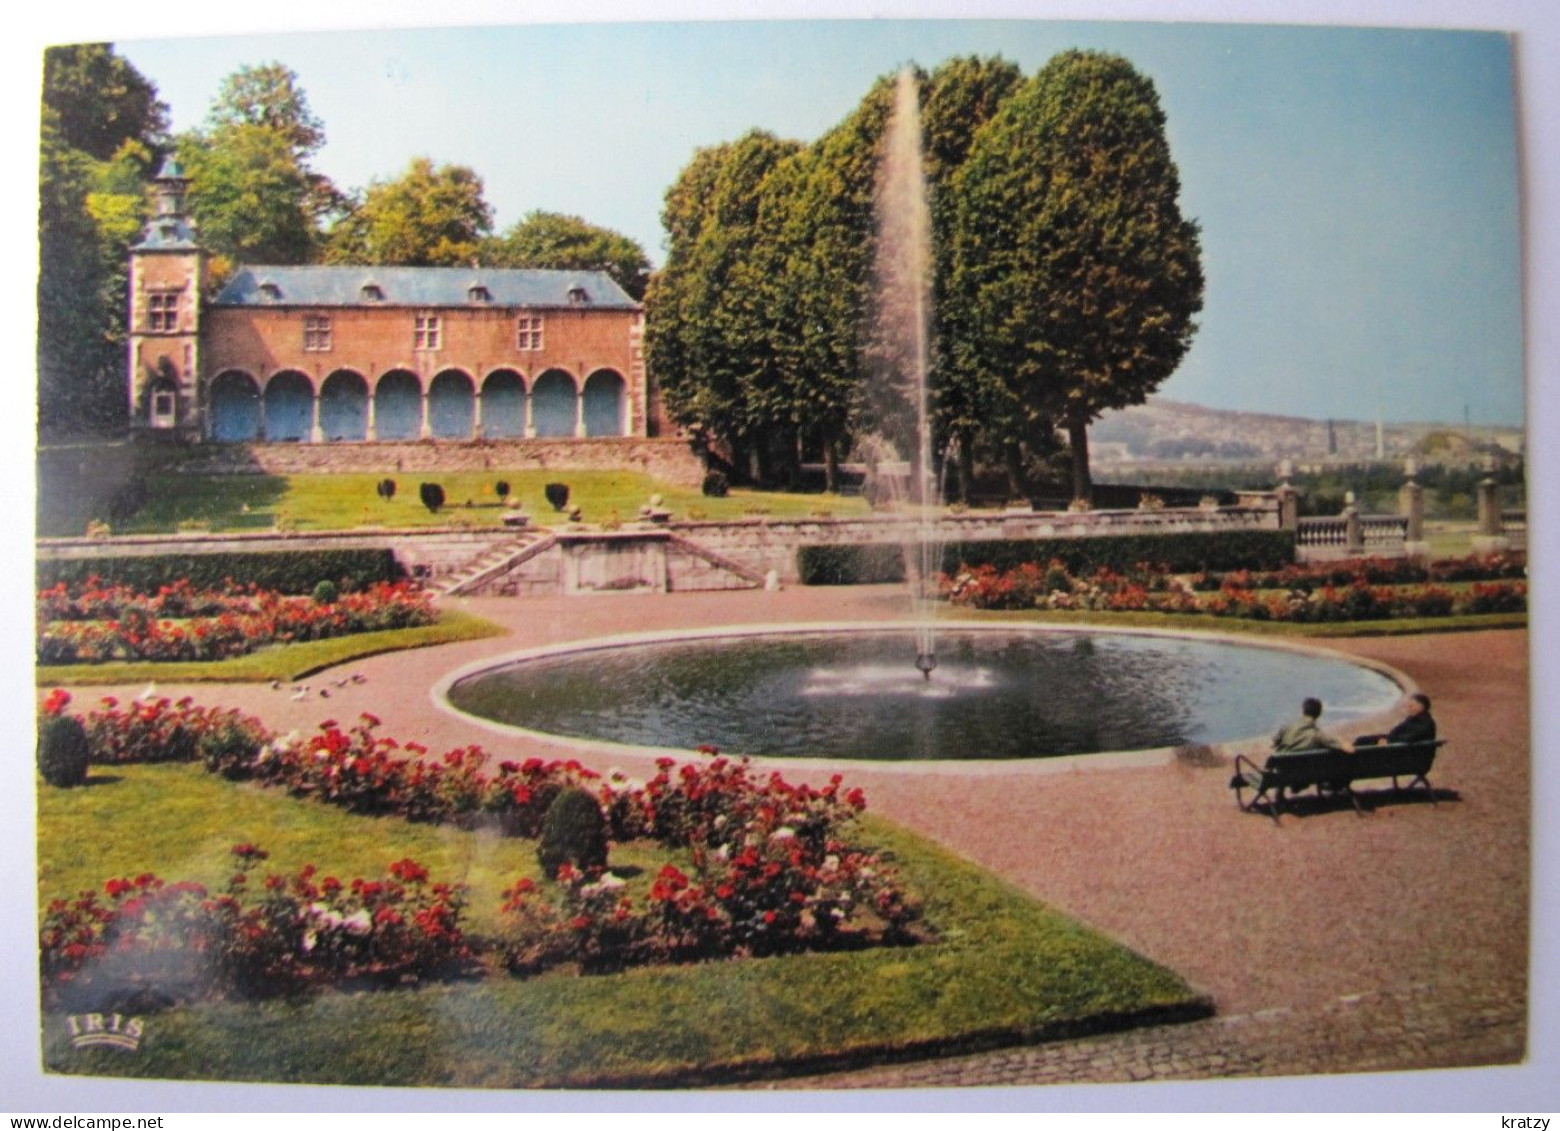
(997, 693)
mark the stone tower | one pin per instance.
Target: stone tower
(167, 277)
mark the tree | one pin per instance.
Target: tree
(101, 120)
(255, 195)
(1075, 278)
(704, 334)
(427, 218)
(811, 275)
(97, 101)
(269, 97)
(551, 240)
(250, 195)
(958, 98)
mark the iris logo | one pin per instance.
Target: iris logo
(114, 1029)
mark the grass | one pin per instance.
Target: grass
(284, 661)
(346, 501)
(1005, 969)
(1194, 622)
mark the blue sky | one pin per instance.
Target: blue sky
(1357, 188)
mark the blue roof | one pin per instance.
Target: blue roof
(421, 286)
(168, 233)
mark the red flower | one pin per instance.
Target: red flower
(57, 701)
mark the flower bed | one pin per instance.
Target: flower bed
(145, 942)
(1313, 599)
(764, 866)
(95, 623)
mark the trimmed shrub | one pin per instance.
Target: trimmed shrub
(716, 485)
(285, 571)
(557, 495)
(501, 489)
(62, 751)
(850, 565)
(1177, 553)
(325, 593)
(432, 496)
(386, 489)
(573, 832)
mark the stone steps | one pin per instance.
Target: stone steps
(498, 560)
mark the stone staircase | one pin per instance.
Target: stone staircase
(498, 560)
(753, 578)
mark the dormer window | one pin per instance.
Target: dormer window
(479, 293)
(270, 291)
(372, 292)
(577, 295)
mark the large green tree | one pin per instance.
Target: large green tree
(553, 240)
(100, 122)
(427, 217)
(957, 99)
(705, 337)
(253, 192)
(1075, 278)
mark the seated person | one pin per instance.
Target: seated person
(1416, 726)
(1305, 734)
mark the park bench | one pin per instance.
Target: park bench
(1299, 770)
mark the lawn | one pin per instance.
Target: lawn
(338, 502)
(1003, 969)
(281, 661)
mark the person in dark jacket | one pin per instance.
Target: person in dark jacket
(1416, 726)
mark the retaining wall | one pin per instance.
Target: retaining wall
(669, 460)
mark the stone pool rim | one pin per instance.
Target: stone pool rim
(1065, 763)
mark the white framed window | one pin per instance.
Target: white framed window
(425, 336)
(316, 333)
(162, 311)
(530, 333)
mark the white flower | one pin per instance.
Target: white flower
(831, 862)
(783, 834)
(359, 922)
(720, 821)
(308, 942)
(607, 885)
(722, 852)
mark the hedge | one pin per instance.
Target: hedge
(285, 571)
(869, 564)
(1179, 553)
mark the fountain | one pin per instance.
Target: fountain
(813, 691)
(900, 350)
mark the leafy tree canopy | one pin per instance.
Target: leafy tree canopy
(1075, 276)
(268, 96)
(427, 217)
(97, 101)
(553, 240)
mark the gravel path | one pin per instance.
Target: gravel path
(1328, 942)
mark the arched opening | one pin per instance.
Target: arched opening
(452, 406)
(289, 407)
(344, 406)
(606, 404)
(503, 405)
(554, 404)
(398, 406)
(235, 408)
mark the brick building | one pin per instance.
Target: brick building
(357, 354)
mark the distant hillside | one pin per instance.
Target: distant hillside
(1165, 431)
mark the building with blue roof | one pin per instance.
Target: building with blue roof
(333, 354)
